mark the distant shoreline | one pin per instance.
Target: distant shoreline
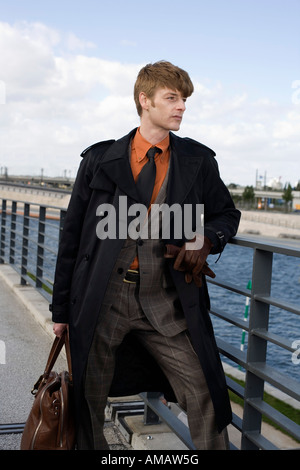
(270, 224)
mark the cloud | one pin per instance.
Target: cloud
(59, 100)
(128, 43)
(115, 77)
(288, 129)
(74, 43)
(246, 135)
(26, 56)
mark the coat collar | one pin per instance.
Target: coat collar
(183, 170)
(116, 165)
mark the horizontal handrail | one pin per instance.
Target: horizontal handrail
(268, 244)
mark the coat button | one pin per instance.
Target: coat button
(140, 242)
(120, 270)
(86, 257)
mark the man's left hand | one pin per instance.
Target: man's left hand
(191, 261)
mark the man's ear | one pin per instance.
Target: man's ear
(144, 101)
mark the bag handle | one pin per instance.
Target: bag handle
(68, 352)
(57, 345)
(56, 348)
(54, 353)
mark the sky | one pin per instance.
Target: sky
(67, 71)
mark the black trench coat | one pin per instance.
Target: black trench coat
(85, 262)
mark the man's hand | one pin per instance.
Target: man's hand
(59, 328)
(192, 262)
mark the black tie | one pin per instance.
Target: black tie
(146, 178)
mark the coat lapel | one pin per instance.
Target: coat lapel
(183, 171)
(116, 165)
(184, 168)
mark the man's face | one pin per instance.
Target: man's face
(165, 109)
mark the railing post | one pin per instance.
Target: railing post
(62, 217)
(150, 417)
(13, 232)
(257, 347)
(3, 226)
(25, 243)
(40, 247)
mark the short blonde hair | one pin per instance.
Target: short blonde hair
(161, 74)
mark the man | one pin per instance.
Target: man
(137, 307)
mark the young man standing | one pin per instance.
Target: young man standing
(137, 307)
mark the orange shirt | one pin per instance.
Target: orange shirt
(139, 149)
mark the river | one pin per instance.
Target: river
(235, 266)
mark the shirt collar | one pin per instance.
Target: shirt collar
(141, 146)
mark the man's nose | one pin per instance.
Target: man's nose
(181, 105)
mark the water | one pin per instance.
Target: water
(235, 266)
(50, 245)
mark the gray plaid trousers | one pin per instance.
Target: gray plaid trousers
(128, 308)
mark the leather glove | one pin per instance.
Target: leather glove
(193, 262)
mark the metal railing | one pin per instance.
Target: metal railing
(30, 236)
(29, 240)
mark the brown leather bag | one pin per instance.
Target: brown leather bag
(50, 424)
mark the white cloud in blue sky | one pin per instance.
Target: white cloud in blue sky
(67, 70)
